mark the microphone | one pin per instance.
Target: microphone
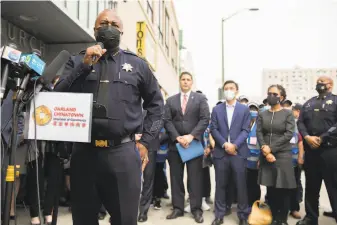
(33, 62)
(51, 70)
(102, 46)
(11, 55)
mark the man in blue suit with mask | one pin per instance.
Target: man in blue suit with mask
(230, 129)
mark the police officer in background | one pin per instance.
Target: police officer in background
(108, 170)
(317, 124)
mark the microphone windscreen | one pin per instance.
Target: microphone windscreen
(57, 63)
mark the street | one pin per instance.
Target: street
(159, 216)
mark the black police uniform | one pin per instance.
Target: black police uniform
(109, 168)
(318, 117)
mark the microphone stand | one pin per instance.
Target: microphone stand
(11, 173)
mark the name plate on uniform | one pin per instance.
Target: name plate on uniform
(60, 116)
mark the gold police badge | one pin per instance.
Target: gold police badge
(43, 115)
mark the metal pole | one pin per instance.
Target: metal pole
(223, 20)
(223, 53)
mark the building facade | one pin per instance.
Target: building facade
(186, 64)
(300, 83)
(150, 30)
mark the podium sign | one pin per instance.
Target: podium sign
(61, 116)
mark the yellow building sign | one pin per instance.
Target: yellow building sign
(141, 31)
(146, 44)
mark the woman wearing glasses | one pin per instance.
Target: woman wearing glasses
(275, 128)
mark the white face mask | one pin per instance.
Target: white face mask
(229, 95)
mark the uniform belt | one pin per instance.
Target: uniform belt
(111, 143)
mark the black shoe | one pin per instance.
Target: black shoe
(157, 204)
(243, 222)
(175, 214)
(198, 217)
(209, 201)
(228, 211)
(217, 222)
(330, 214)
(166, 196)
(101, 216)
(306, 221)
(142, 217)
(12, 217)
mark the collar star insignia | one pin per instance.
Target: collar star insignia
(127, 67)
(329, 102)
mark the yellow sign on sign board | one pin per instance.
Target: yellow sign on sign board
(140, 45)
(146, 44)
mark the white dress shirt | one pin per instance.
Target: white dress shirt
(230, 112)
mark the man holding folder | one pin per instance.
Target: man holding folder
(186, 118)
(230, 129)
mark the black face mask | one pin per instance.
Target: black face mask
(109, 36)
(321, 88)
(273, 100)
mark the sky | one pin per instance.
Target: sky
(282, 34)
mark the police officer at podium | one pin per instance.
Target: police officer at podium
(108, 170)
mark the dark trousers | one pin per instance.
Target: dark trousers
(318, 165)
(159, 187)
(148, 182)
(53, 169)
(206, 184)
(165, 181)
(223, 168)
(111, 176)
(231, 191)
(194, 173)
(279, 202)
(294, 193)
(254, 190)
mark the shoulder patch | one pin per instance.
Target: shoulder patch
(129, 52)
(134, 54)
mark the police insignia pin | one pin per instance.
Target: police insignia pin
(329, 102)
(127, 67)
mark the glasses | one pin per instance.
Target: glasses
(272, 94)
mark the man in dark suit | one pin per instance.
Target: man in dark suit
(186, 118)
(230, 129)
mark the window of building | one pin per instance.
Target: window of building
(112, 4)
(176, 54)
(167, 32)
(88, 15)
(101, 6)
(160, 21)
(174, 50)
(92, 14)
(149, 9)
(83, 12)
(78, 11)
(73, 9)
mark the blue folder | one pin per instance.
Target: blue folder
(194, 150)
